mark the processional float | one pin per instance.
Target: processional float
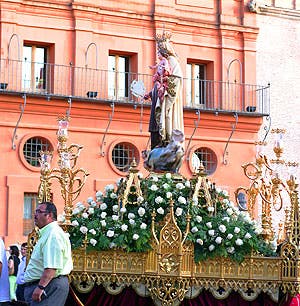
(173, 260)
(167, 271)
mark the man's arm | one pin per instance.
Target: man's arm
(47, 276)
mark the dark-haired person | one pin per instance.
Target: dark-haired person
(13, 264)
(46, 281)
(21, 272)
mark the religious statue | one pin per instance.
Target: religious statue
(166, 117)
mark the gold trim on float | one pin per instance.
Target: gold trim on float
(168, 272)
(119, 269)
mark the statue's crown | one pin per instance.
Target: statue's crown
(164, 37)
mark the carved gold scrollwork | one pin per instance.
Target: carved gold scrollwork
(170, 245)
(201, 188)
(31, 242)
(169, 263)
(130, 189)
(252, 171)
(168, 290)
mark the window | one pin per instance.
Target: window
(208, 159)
(30, 204)
(123, 154)
(118, 77)
(34, 68)
(196, 84)
(32, 148)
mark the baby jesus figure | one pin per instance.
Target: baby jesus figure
(160, 78)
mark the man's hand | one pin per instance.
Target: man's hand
(37, 294)
(46, 278)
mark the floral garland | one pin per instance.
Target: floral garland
(220, 230)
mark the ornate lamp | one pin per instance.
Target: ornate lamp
(267, 183)
(70, 178)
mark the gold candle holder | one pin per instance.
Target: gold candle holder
(70, 178)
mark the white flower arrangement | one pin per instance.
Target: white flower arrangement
(141, 211)
(75, 223)
(83, 229)
(92, 231)
(153, 187)
(115, 217)
(131, 216)
(160, 210)
(168, 176)
(124, 227)
(135, 237)
(155, 178)
(93, 242)
(182, 200)
(169, 195)
(218, 240)
(178, 211)
(110, 233)
(222, 228)
(218, 230)
(159, 200)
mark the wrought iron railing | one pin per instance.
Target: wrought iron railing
(102, 85)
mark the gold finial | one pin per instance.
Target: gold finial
(130, 189)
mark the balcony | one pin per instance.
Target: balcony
(86, 84)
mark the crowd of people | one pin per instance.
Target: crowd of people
(44, 280)
(12, 270)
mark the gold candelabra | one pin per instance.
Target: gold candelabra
(71, 179)
(267, 184)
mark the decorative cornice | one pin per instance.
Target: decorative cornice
(278, 12)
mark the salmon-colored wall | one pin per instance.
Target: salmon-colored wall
(124, 26)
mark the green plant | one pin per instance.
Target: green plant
(217, 227)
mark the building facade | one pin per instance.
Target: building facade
(80, 58)
(278, 62)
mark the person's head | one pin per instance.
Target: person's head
(164, 44)
(45, 213)
(24, 249)
(14, 250)
(162, 53)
